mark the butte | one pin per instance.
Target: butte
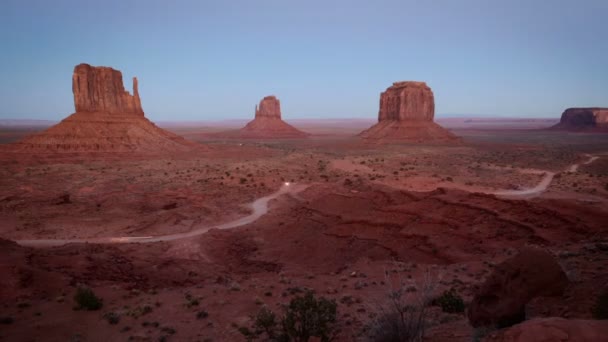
(406, 113)
(267, 123)
(107, 119)
(584, 119)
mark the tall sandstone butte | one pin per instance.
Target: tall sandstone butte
(107, 119)
(407, 110)
(593, 118)
(268, 124)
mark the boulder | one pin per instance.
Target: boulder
(502, 298)
(553, 329)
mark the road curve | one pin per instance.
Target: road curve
(259, 207)
(543, 184)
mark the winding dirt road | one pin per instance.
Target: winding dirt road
(544, 182)
(258, 207)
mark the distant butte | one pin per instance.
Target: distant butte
(593, 119)
(107, 119)
(268, 124)
(407, 110)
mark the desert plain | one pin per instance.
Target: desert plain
(348, 219)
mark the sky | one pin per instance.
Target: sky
(214, 60)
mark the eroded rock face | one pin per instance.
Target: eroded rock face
(501, 300)
(406, 113)
(582, 118)
(100, 89)
(270, 107)
(407, 101)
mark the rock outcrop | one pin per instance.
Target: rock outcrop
(407, 110)
(502, 299)
(553, 329)
(107, 119)
(268, 123)
(584, 119)
(100, 89)
(269, 107)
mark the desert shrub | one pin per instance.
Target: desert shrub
(87, 300)
(403, 317)
(600, 309)
(307, 316)
(304, 317)
(449, 302)
(112, 317)
(6, 320)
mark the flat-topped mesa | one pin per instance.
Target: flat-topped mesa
(407, 101)
(581, 118)
(100, 89)
(407, 110)
(269, 107)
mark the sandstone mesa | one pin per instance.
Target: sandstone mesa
(107, 119)
(593, 118)
(407, 110)
(268, 123)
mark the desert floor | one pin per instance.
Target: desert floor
(363, 218)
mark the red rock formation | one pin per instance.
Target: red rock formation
(405, 101)
(270, 107)
(554, 329)
(107, 119)
(406, 113)
(501, 300)
(100, 89)
(584, 119)
(268, 124)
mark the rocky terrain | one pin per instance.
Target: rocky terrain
(407, 110)
(584, 119)
(107, 119)
(371, 219)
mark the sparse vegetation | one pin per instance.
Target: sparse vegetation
(305, 317)
(6, 320)
(112, 317)
(600, 309)
(87, 300)
(403, 318)
(450, 302)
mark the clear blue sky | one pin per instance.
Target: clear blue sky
(214, 60)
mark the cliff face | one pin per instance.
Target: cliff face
(405, 101)
(584, 118)
(270, 107)
(407, 110)
(100, 89)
